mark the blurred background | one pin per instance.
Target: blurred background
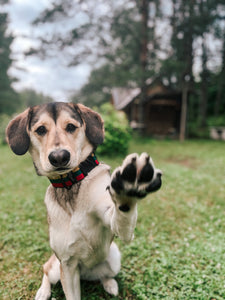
(161, 62)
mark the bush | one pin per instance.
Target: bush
(195, 131)
(216, 121)
(117, 131)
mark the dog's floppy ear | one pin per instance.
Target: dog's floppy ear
(16, 133)
(94, 124)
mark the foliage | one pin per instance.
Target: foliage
(194, 130)
(30, 97)
(8, 97)
(178, 248)
(25, 99)
(117, 132)
(89, 23)
(93, 93)
(217, 121)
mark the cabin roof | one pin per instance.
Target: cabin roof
(123, 96)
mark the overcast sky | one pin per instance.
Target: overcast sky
(49, 76)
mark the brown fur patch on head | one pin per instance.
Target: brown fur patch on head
(54, 109)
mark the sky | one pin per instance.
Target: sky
(51, 76)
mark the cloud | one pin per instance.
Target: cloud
(23, 12)
(50, 76)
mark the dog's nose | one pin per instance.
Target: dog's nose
(59, 158)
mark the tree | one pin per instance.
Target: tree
(110, 32)
(126, 45)
(97, 90)
(127, 61)
(30, 97)
(219, 106)
(85, 30)
(208, 16)
(191, 22)
(132, 57)
(8, 97)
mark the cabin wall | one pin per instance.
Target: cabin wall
(161, 120)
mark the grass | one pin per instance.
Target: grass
(179, 246)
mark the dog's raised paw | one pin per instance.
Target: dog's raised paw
(136, 177)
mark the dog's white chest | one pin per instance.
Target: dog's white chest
(81, 235)
(80, 232)
(88, 239)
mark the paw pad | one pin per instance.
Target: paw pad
(136, 177)
(130, 171)
(147, 173)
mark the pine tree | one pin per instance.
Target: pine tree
(8, 102)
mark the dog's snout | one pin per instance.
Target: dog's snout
(59, 158)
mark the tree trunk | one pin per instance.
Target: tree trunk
(184, 106)
(144, 9)
(187, 74)
(221, 83)
(204, 87)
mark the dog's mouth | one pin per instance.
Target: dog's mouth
(62, 169)
(56, 174)
(59, 171)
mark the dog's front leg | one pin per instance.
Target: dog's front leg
(70, 279)
(129, 183)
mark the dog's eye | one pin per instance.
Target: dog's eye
(41, 130)
(70, 128)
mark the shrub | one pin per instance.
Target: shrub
(117, 131)
(195, 131)
(216, 121)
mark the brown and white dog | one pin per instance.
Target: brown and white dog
(86, 205)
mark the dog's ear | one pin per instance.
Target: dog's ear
(16, 133)
(94, 124)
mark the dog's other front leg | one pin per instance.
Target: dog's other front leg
(129, 183)
(51, 276)
(70, 279)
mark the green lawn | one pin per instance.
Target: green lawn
(179, 246)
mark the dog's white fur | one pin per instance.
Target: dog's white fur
(81, 231)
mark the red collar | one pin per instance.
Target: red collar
(78, 174)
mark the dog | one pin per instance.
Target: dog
(86, 206)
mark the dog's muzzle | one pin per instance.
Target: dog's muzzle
(59, 158)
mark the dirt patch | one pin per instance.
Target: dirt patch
(188, 162)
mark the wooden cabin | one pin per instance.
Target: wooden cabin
(161, 109)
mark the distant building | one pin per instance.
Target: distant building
(162, 109)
